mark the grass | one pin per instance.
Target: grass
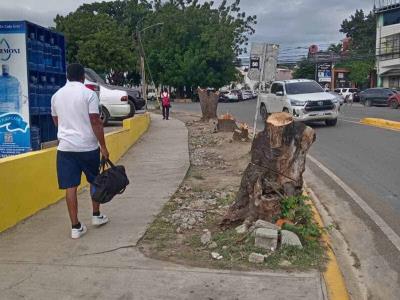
(227, 200)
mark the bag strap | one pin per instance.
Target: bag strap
(104, 162)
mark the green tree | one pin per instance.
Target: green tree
(305, 69)
(362, 29)
(335, 48)
(197, 44)
(99, 35)
(361, 59)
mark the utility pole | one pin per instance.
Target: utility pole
(142, 58)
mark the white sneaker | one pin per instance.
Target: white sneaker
(99, 220)
(77, 233)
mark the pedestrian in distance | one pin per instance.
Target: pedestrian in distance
(75, 111)
(166, 104)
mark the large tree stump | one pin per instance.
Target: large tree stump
(278, 157)
(226, 123)
(208, 104)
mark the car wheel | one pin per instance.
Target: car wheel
(263, 112)
(368, 103)
(332, 122)
(394, 104)
(104, 115)
(133, 109)
(286, 110)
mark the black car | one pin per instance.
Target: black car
(375, 96)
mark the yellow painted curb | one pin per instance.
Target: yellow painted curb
(28, 182)
(333, 277)
(381, 123)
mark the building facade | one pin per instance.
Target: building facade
(388, 43)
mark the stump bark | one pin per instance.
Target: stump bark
(208, 104)
(278, 157)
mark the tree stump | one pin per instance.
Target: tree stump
(226, 123)
(208, 104)
(242, 133)
(278, 157)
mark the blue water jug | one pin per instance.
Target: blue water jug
(56, 53)
(32, 51)
(33, 96)
(48, 57)
(40, 54)
(40, 94)
(10, 92)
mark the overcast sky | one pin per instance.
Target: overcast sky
(291, 23)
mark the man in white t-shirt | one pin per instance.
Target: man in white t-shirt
(75, 111)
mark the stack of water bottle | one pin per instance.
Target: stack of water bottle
(46, 74)
(46, 71)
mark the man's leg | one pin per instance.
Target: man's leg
(167, 112)
(163, 112)
(96, 206)
(72, 203)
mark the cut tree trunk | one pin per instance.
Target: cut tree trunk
(208, 103)
(226, 125)
(278, 157)
(241, 134)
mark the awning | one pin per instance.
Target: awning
(392, 72)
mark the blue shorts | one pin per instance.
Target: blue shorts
(70, 166)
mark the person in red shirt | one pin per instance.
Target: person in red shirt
(166, 104)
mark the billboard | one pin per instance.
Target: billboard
(263, 62)
(14, 106)
(324, 73)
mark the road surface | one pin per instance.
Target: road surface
(366, 160)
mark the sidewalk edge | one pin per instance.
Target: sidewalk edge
(382, 123)
(334, 280)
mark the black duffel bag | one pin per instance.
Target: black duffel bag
(109, 182)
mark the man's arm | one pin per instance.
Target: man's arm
(55, 120)
(98, 130)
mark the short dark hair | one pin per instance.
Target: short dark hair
(75, 72)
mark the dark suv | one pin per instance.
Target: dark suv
(376, 96)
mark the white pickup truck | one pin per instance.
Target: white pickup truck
(305, 99)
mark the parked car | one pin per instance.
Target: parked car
(305, 99)
(347, 93)
(394, 100)
(247, 95)
(151, 94)
(222, 96)
(231, 96)
(116, 102)
(376, 96)
(339, 97)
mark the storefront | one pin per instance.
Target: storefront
(341, 79)
(391, 79)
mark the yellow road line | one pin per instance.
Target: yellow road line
(333, 277)
(387, 124)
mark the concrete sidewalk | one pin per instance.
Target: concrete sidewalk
(38, 260)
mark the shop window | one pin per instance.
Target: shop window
(391, 17)
(394, 82)
(390, 47)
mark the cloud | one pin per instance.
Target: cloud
(290, 23)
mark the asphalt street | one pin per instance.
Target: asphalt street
(367, 160)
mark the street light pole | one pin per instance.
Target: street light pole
(142, 58)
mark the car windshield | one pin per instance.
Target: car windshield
(93, 76)
(308, 87)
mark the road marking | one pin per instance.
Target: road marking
(390, 234)
(348, 121)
